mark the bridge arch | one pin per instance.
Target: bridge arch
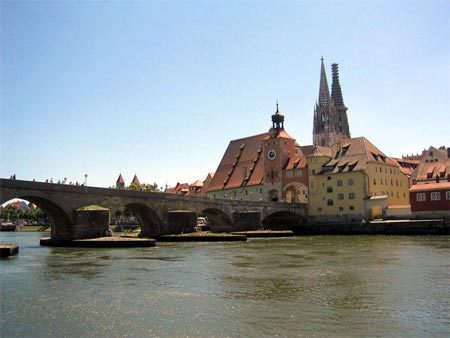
(218, 219)
(147, 217)
(61, 220)
(283, 220)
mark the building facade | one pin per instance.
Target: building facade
(264, 167)
(353, 180)
(430, 184)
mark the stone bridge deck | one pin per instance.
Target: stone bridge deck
(155, 210)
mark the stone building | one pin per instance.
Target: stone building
(266, 167)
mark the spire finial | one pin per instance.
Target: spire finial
(277, 106)
(321, 59)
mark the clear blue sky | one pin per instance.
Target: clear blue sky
(159, 88)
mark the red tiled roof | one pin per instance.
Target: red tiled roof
(197, 183)
(430, 186)
(296, 163)
(120, 179)
(241, 153)
(433, 169)
(136, 180)
(307, 150)
(406, 167)
(279, 133)
(352, 155)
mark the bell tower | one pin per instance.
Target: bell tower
(278, 147)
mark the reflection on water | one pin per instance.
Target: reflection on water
(304, 286)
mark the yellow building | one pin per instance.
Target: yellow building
(353, 180)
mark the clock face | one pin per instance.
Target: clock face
(271, 154)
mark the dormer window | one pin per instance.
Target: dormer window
(344, 150)
(352, 166)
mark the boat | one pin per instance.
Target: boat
(8, 227)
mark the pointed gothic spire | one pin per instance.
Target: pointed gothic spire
(324, 92)
(336, 93)
(120, 183)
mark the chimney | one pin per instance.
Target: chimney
(448, 152)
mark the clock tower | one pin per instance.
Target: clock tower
(278, 148)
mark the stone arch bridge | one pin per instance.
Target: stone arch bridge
(155, 211)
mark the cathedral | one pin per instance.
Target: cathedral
(330, 113)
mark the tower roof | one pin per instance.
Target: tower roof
(336, 93)
(278, 119)
(136, 180)
(120, 180)
(324, 92)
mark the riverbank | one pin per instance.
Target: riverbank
(377, 227)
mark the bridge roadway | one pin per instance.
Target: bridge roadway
(60, 201)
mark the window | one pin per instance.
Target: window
(329, 189)
(374, 181)
(290, 174)
(350, 181)
(339, 183)
(313, 172)
(436, 196)
(330, 202)
(351, 196)
(351, 208)
(447, 195)
(319, 209)
(298, 173)
(344, 150)
(341, 209)
(329, 178)
(340, 197)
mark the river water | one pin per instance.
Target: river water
(340, 286)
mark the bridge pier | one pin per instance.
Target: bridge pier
(87, 224)
(247, 220)
(180, 221)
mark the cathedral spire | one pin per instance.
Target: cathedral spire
(324, 92)
(336, 93)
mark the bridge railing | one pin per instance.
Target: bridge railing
(66, 188)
